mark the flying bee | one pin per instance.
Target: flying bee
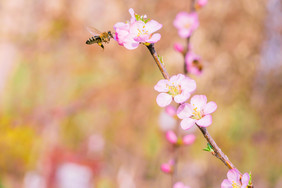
(99, 37)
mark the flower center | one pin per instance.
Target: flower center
(174, 90)
(235, 185)
(142, 31)
(197, 113)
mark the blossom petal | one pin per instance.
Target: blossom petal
(187, 123)
(161, 86)
(184, 111)
(205, 121)
(210, 107)
(233, 176)
(188, 84)
(184, 33)
(245, 180)
(182, 97)
(226, 184)
(164, 99)
(154, 38)
(153, 26)
(199, 101)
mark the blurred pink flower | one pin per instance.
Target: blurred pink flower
(200, 4)
(137, 30)
(197, 112)
(193, 63)
(171, 110)
(188, 139)
(233, 180)
(186, 23)
(171, 137)
(178, 87)
(178, 47)
(167, 167)
(180, 185)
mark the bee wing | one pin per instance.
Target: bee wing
(93, 31)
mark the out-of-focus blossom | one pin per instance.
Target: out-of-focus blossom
(178, 87)
(34, 180)
(186, 23)
(166, 121)
(200, 4)
(233, 180)
(179, 47)
(186, 140)
(193, 63)
(180, 185)
(167, 167)
(171, 137)
(138, 30)
(71, 175)
(198, 111)
(171, 110)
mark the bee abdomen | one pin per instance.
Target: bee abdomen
(92, 40)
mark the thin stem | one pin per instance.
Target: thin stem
(158, 61)
(217, 151)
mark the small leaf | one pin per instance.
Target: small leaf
(208, 148)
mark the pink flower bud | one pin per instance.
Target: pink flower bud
(179, 47)
(171, 137)
(167, 167)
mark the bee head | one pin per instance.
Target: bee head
(110, 34)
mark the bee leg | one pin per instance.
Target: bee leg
(102, 46)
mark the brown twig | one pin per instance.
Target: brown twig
(218, 153)
(158, 61)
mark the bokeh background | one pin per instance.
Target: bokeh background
(73, 115)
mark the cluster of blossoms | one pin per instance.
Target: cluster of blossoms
(138, 30)
(179, 88)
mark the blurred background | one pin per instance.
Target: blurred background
(73, 115)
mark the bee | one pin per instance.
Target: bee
(99, 37)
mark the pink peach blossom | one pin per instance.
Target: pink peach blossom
(193, 63)
(197, 112)
(186, 23)
(178, 87)
(138, 30)
(143, 32)
(233, 180)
